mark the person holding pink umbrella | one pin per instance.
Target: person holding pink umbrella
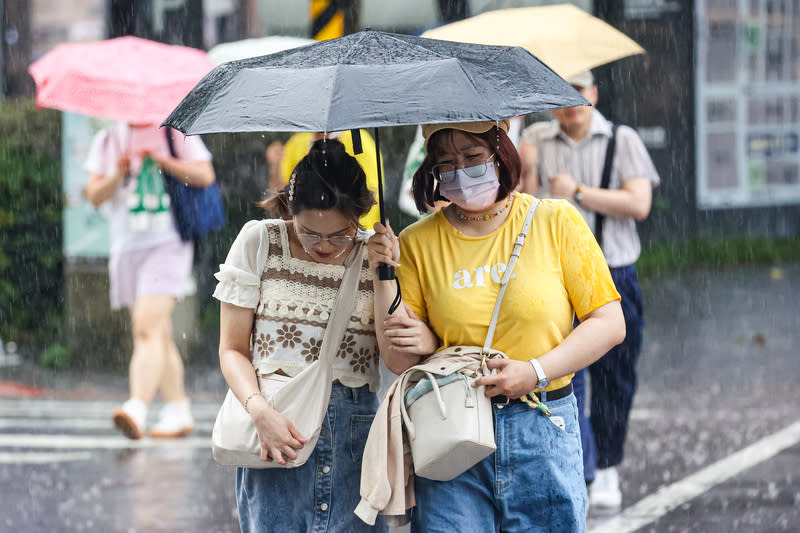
(137, 83)
(149, 264)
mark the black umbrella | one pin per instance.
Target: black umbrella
(371, 79)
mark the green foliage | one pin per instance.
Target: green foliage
(56, 356)
(717, 252)
(31, 201)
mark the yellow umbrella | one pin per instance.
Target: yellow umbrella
(566, 38)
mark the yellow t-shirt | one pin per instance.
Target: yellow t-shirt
(451, 280)
(299, 144)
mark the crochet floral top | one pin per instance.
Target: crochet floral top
(293, 299)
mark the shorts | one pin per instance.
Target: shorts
(163, 269)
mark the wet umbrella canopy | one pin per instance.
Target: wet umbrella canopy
(568, 39)
(371, 79)
(127, 78)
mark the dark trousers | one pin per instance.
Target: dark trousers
(613, 384)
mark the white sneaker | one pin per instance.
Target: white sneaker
(130, 418)
(175, 420)
(604, 492)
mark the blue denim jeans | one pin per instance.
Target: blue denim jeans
(321, 495)
(612, 382)
(587, 436)
(532, 483)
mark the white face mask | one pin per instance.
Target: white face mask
(472, 194)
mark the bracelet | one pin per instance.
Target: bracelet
(256, 393)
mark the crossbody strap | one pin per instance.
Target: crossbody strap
(605, 180)
(343, 306)
(170, 144)
(507, 274)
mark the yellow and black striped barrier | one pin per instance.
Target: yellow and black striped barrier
(327, 18)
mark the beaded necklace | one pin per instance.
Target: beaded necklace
(487, 216)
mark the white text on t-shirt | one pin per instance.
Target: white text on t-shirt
(463, 278)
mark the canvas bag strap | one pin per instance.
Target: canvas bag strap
(343, 306)
(487, 345)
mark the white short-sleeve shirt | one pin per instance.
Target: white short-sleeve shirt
(107, 147)
(293, 299)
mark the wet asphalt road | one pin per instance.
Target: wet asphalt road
(719, 372)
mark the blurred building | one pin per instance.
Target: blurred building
(399, 16)
(32, 27)
(716, 98)
(717, 101)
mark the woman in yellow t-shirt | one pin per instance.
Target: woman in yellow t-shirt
(452, 263)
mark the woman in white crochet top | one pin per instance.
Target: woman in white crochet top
(277, 289)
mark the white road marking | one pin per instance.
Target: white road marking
(42, 457)
(653, 507)
(40, 431)
(75, 424)
(102, 408)
(63, 442)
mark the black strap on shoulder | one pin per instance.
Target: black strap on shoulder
(168, 132)
(356, 136)
(604, 181)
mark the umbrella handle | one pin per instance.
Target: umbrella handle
(385, 272)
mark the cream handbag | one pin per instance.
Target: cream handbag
(302, 399)
(448, 422)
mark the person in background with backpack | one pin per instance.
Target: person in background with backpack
(607, 173)
(149, 264)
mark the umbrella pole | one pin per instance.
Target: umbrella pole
(385, 272)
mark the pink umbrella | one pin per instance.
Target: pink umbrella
(127, 78)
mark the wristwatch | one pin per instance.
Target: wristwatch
(578, 197)
(537, 367)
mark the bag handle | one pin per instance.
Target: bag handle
(487, 345)
(404, 412)
(468, 400)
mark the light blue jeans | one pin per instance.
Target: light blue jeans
(532, 483)
(321, 495)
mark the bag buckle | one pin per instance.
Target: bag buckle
(485, 356)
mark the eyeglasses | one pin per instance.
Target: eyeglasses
(310, 239)
(446, 172)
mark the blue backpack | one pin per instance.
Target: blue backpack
(197, 210)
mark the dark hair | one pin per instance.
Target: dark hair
(424, 186)
(326, 178)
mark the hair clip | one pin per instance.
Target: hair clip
(291, 186)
